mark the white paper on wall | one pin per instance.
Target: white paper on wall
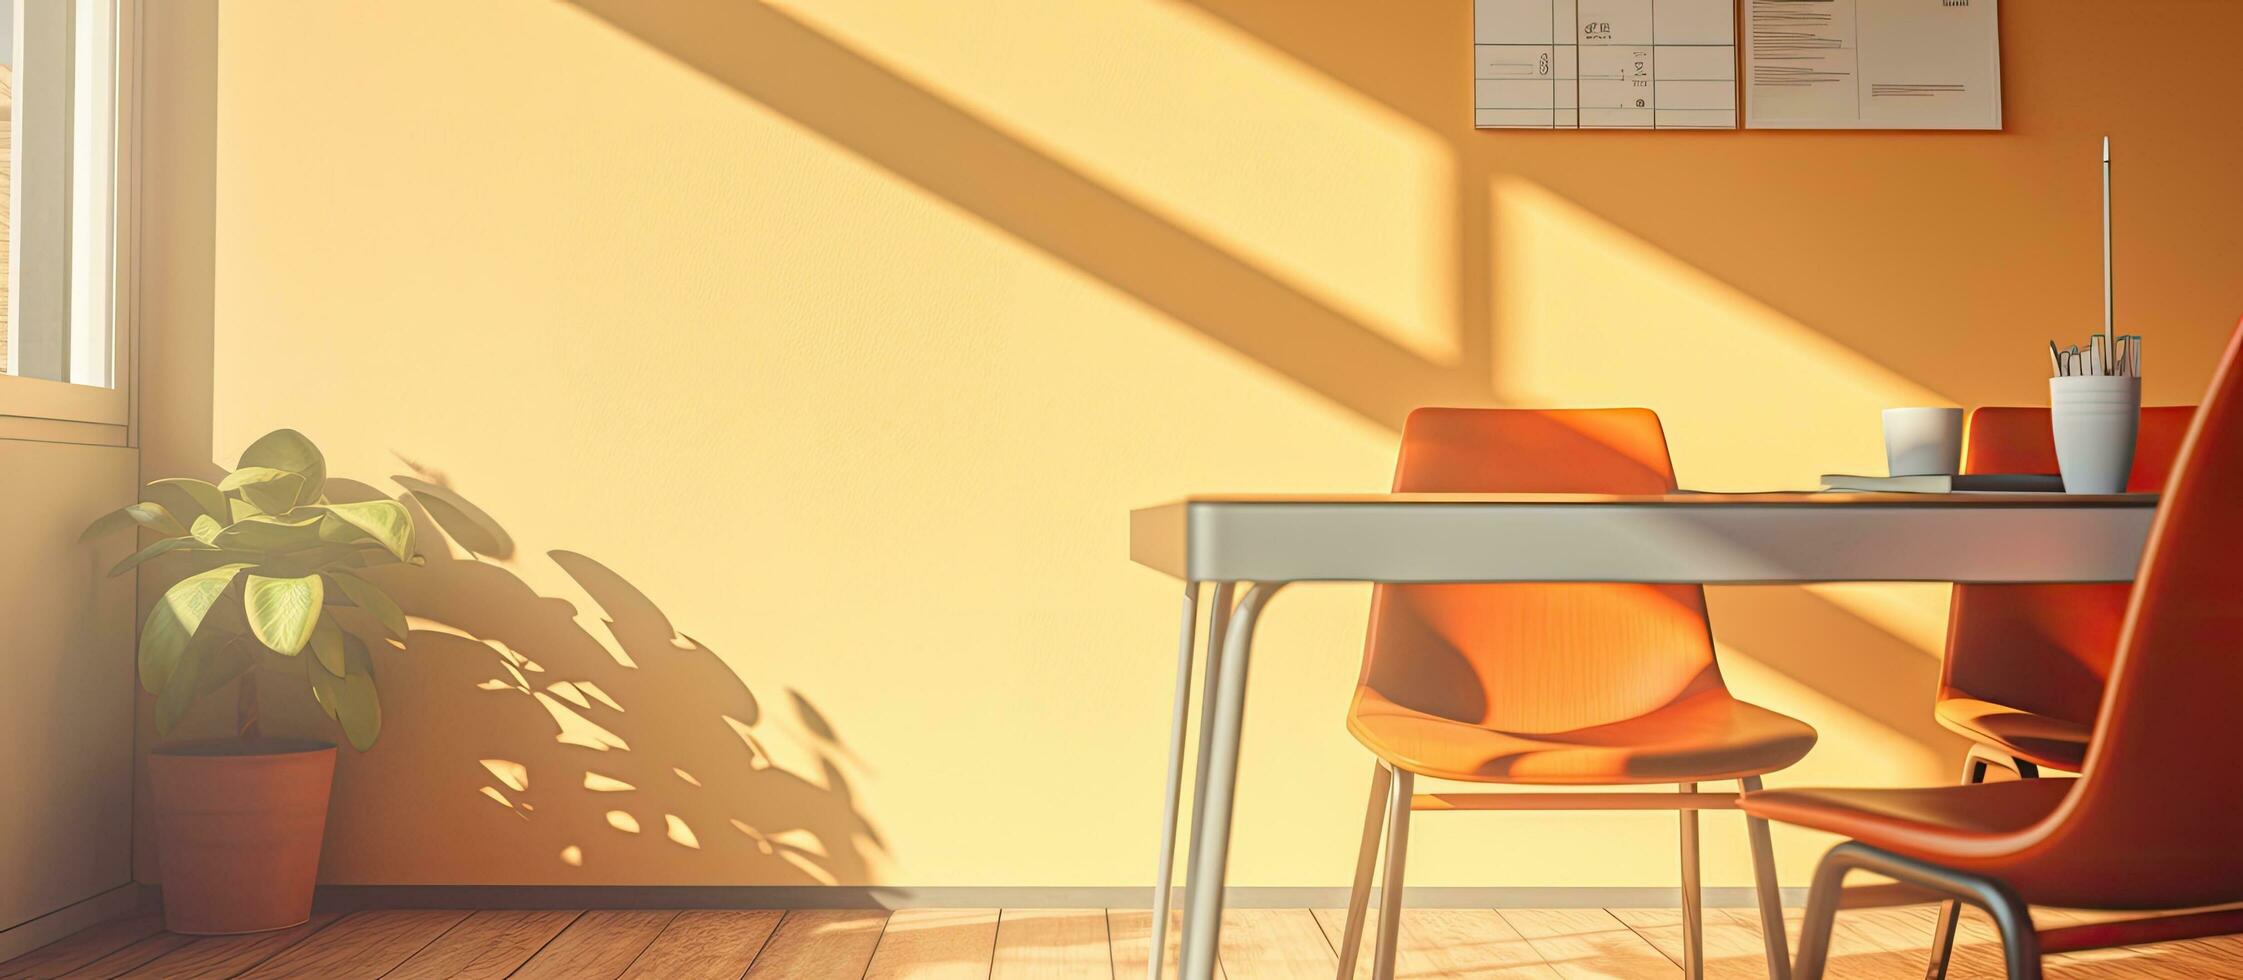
(1604, 64)
(1872, 64)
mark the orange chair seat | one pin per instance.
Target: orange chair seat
(1978, 828)
(1932, 822)
(2044, 740)
(1700, 738)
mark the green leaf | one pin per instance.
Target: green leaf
(327, 647)
(326, 556)
(107, 524)
(386, 522)
(287, 449)
(214, 659)
(207, 498)
(269, 490)
(238, 509)
(229, 659)
(376, 602)
(327, 687)
(155, 517)
(270, 534)
(161, 547)
(277, 496)
(282, 611)
(181, 688)
(164, 636)
(206, 528)
(249, 476)
(357, 706)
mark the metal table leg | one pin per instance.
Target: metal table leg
(1218, 620)
(1218, 779)
(1172, 790)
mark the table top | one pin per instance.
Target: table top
(1678, 537)
(1785, 498)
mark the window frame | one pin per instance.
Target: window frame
(60, 411)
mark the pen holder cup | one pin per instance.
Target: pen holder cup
(2093, 420)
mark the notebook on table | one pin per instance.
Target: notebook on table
(1945, 483)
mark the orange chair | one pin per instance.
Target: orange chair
(1570, 685)
(2147, 826)
(2026, 664)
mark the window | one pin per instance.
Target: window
(60, 110)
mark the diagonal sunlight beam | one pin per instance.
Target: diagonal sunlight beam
(1201, 123)
(927, 141)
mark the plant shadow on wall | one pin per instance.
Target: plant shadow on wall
(606, 744)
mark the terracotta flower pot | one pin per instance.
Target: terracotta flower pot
(238, 826)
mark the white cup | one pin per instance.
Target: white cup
(1923, 441)
(2094, 420)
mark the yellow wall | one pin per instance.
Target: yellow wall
(810, 354)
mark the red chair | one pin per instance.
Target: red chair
(1553, 685)
(2026, 664)
(2148, 826)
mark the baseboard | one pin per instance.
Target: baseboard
(116, 903)
(349, 897)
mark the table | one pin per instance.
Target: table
(1265, 541)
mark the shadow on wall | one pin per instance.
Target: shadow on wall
(625, 756)
(958, 156)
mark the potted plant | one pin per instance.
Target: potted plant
(273, 590)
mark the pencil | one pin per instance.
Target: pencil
(2110, 306)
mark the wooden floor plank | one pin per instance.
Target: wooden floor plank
(83, 947)
(938, 944)
(487, 945)
(215, 957)
(1733, 949)
(1589, 943)
(956, 944)
(818, 944)
(361, 945)
(1051, 944)
(1130, 932)
(1855, 951)
(130, 957)
(706, 944)
(1446, 944)
(599, 945)
(1281, 944)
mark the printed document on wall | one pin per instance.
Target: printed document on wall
(1604, 64)
(1872, 64)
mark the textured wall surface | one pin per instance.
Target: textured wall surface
(802, 359)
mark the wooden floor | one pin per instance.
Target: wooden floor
(938, 944)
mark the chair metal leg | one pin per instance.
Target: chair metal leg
(1951, 912)
(1366, 860)
(1766, 891)
(1390, 889)
(2020, 943)
(1693, 910)
(1822, 915)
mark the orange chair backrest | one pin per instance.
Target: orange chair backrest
(1536, 657)
(2045, 648)
(2161, 784)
